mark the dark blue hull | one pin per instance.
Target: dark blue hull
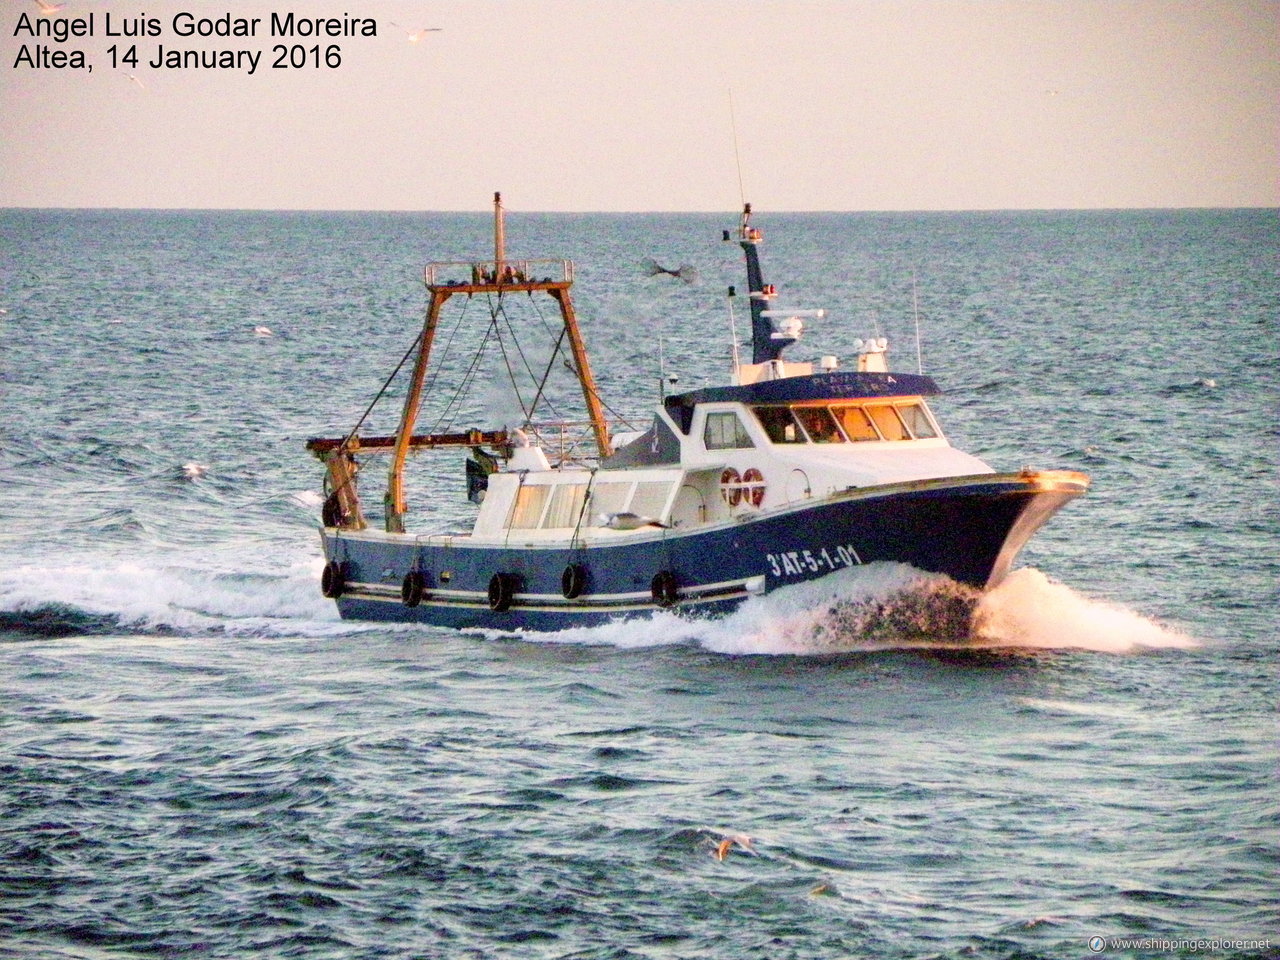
(967, 528)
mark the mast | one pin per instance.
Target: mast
(499, 233)
(765, 344)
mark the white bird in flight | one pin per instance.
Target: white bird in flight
(416, 35)
(48, 9)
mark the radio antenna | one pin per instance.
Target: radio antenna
(737, 156)
(915, 308)
(733, 333)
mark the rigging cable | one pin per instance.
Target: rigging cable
(467, 378)
(533, 377)
(369, 409)
(574, 370)
(511, 374)
(550, 365)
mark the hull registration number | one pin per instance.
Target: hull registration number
(797, 563)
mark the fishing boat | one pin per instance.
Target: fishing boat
(790, 472)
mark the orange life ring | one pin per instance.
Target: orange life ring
(730, 486)
(753, 479)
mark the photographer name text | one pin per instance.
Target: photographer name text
(53, 43)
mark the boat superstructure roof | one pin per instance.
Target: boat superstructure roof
(835, 385)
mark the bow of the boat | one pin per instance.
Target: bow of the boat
(1042, 494)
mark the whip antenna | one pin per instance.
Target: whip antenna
(737, 156)
(915, 308)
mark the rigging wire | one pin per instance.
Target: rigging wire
(511, 374)
(453, 407)
(737, 156)
(369, 409)
(444, 354)
(450, 410)
(550, 365)
(533, 377)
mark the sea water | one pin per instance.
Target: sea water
(198, 758)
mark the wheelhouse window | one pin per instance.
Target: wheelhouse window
(779, 424)
(917, 421)
(888, 422)
(819, 424)
(841, 422)
(856, 424)
(725, 431)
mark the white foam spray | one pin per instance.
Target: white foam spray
(880, 606)
(887, 606)
(1030, 610)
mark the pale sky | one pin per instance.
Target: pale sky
(598, 105)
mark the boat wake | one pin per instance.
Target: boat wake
(881, 606)
(92, 597)
(887, 606)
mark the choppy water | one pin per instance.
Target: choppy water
(197, 757)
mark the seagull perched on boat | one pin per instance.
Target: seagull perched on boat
(686, 271)
(415, 35)
(626, 520)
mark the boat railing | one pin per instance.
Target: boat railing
(564, 442)
(463, 273)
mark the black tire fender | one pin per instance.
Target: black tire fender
(412, 588)
(333, 580)
(502, 590)
(573, 581)
(664, 588)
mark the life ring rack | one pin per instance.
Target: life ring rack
(731, 486)
(747, 488)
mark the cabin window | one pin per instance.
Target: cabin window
(651, 499)
(779, 424)
(724, 431)
(566, 505)
(917, 421)
(609, 498)
(819, 424)
(888, 422)
(527, 512)
(856, 424)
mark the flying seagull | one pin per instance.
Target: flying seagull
(414, 35)
(686, 271)
(48, 9)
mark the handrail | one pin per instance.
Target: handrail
(501, 272)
